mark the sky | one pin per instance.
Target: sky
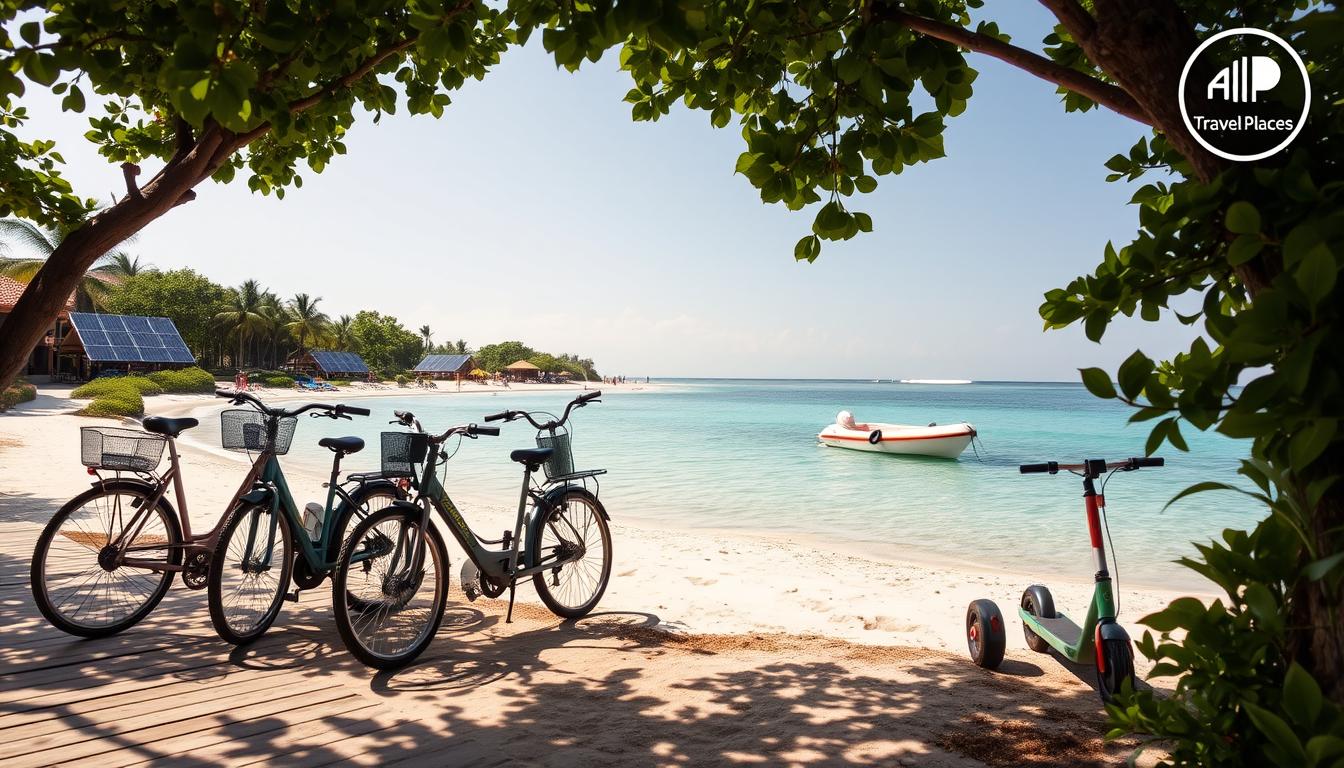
(535, 209)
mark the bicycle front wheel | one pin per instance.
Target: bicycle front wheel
(387, 609)
(78, 580)
(249, 573)
(575, 535)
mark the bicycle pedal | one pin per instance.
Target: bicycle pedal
(293, 598)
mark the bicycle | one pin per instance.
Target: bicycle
(107, 557)
(249, 579)
(1101, 639)
(381, 614)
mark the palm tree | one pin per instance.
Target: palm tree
(305, 319)
(425, 334)
(243, 316)
(340, 332)
(93, 289)
(276, 321)
(461, 347)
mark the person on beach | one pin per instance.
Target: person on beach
(240, 381)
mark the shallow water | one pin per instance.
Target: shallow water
(743, 455)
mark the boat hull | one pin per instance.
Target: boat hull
(944, 441)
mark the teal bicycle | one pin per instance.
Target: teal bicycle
(266, 542)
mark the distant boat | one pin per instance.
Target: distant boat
(946, 441)
(936, 381)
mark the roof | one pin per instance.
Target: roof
(442, 363)
(521, 365)
(11, 290)
(339, 362)
(130, 339)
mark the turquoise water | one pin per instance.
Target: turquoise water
(743, 455)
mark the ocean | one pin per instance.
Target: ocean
(742, 455)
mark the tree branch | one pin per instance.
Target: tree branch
(1074, 17)
(1105, 94)
(129, 171)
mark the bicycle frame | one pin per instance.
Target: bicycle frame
(1101, 611)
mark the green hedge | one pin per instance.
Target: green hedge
(114, 397)
(20, 392)
(187, 380)
(274, 380)
(99, 387)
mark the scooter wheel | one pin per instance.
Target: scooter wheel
(1037, 601)
(985, 636)
(1115, 665)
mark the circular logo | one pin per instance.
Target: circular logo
(1244, 94)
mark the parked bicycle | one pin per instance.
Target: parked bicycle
(389, 606)
(107, 558)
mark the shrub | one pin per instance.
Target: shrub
(20, 392)
(187, 380)
(99, 387)
(402, 380)
(339, 383)
(275, 380)
(126, 402)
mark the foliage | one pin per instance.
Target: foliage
(19, 392)
(402, 380)
(272, 379)
(190, 300)
(17, 235)
(383, 342)
(305, 319)
(97, 387)
(186, 380)
(494, 357)
(111, 397)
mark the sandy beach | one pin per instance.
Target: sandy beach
(706, 603)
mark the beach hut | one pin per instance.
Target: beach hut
(95, 342)
(445, 366)
(332, 365)
(522, 371)
(42, 360)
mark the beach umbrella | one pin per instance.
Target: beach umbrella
(477, 373)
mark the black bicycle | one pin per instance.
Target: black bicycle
(389, 605)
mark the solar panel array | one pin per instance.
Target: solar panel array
(441, 363)
(339, 362)
(130, 339)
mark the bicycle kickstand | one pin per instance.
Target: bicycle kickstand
(513, 587)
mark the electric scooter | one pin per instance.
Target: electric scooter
(1100, 639)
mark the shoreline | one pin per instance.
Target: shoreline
(696, 580)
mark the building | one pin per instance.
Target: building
(445, 366)
(327, 363)
(96, 342)
(522, 371)
(42, 360)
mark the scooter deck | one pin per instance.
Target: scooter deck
(1063, 628)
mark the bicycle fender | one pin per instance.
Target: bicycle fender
(136, 485)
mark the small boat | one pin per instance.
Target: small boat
(946, 441)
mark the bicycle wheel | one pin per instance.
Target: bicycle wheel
(76, 582)
(574, 528)
(249, 573)
(367, 499)
(385, 613)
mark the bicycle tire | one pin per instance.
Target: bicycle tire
(232, 624)
(149, 593)
(387, 594)
(556, 596)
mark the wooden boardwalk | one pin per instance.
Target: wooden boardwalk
(605, 691)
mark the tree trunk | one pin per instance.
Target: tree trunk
(1317, 610)
(46, 295)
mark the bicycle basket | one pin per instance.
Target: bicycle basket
(120, 449)
(561, 462)
(402, 451)
(244, 430)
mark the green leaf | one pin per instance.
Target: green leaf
(1207, 485)
(865, 184)
(1244, 248)
(1243, 218)
(1316, 274)
(807, 249)
(1310, 442)
(1317, 569)
(1301, 696)
(1098, 382)
(1133, 374)
(200, 89)
(1278, 733)
(31, 32)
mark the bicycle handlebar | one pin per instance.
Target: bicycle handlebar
(334, 411)
(577, 402)
(1094, 466)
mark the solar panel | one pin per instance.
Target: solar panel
(130, 339)
(441, 363)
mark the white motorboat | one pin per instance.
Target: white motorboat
(946, 441)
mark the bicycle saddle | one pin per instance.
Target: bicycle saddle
(533, 456)
(342, 444)
(161, 425)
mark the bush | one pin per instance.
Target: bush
(20, 392)
(275, 380)
(187, 380)
(99, 387)
(122, 401)
(339, 383)
(402, 380)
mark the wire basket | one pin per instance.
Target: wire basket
(120, 449)
(244, 430)
(561, 462)
(402, 451)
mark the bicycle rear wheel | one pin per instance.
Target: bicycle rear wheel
(386, 612)
(78, 584)
(573, 532)
(249, 573)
